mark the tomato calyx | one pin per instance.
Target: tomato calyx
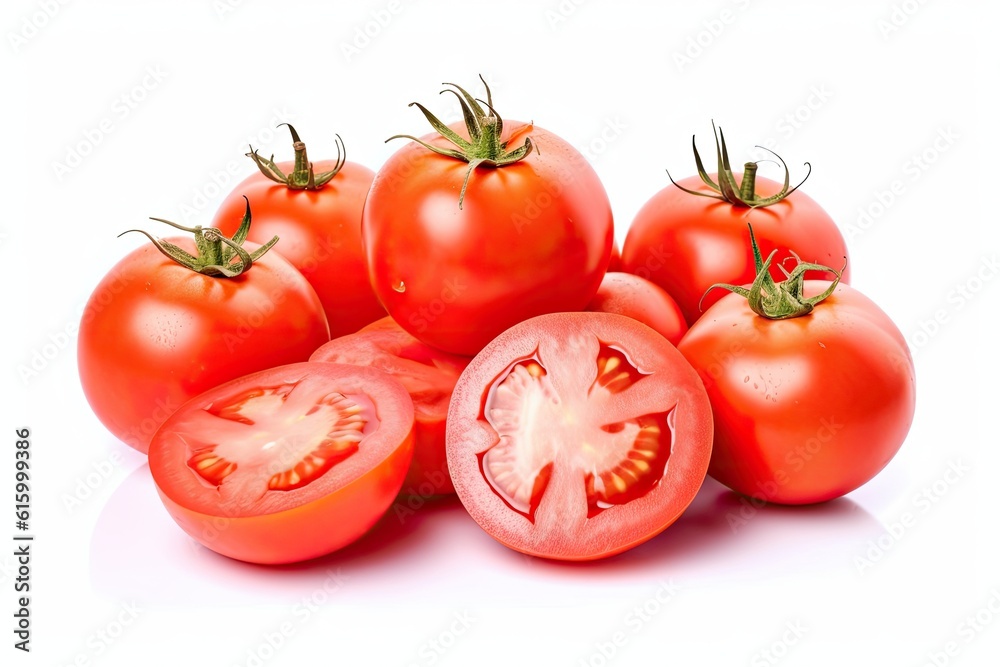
(217, 255)
(485, 130)
(784, 300)
(744, 192)
(302, 176)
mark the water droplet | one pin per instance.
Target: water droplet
(746, 379)
(400, 287)
(822, 346)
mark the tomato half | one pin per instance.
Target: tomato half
(576, 436)
(320, 232)
(429, 376)
(807, 408)
(155, 334)
(286, 464)
(686, 243)
(641, 300)
(529, 237)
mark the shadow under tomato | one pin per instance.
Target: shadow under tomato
(721, 529)
(138, 552)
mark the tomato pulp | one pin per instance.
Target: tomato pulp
(577, 436)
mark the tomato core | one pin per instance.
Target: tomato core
(540, 427)
(273, 439)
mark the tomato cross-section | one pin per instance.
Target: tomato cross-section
(287, 464)
(578, 435)
(428, 374)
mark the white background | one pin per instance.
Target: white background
(837, 84)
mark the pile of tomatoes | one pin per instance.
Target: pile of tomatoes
(462, 322)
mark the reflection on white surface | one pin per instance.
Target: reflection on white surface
(438, 552)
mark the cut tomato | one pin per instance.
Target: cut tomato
(577, 436)
(285, 464)
(428, 374)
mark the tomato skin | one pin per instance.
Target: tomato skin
(305, 523)
(615, 265)
(320, 234)
(685, 243)
(806, 409)
(154, 334)
(638, 298)
(532, 237)
(568, 533)
(383, 344)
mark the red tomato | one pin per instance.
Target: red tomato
(576, 436)
(319, 228)
(686, 243)
(806, 408)
(155, 333)
(636, 297)
(428, 375)
(455, 265)
(286, 464)
(615, 265)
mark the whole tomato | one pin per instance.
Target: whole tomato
(181, 316)
(638, 298)
(811, 395)
(315, 209)
(692, 234)
(472, 230)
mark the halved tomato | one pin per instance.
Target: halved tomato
(578, 436)
(429, 376)
(286, 464)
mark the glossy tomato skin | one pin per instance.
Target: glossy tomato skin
(586, 423)
(532, 237)
(806, 409)
(638, 298)
(685, 243)
(428, 374)
(615, 265)
(154, 334)
(320, 234)
(260, 525)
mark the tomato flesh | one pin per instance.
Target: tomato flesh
(297, 441)
(578, 435)
(429, 376)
